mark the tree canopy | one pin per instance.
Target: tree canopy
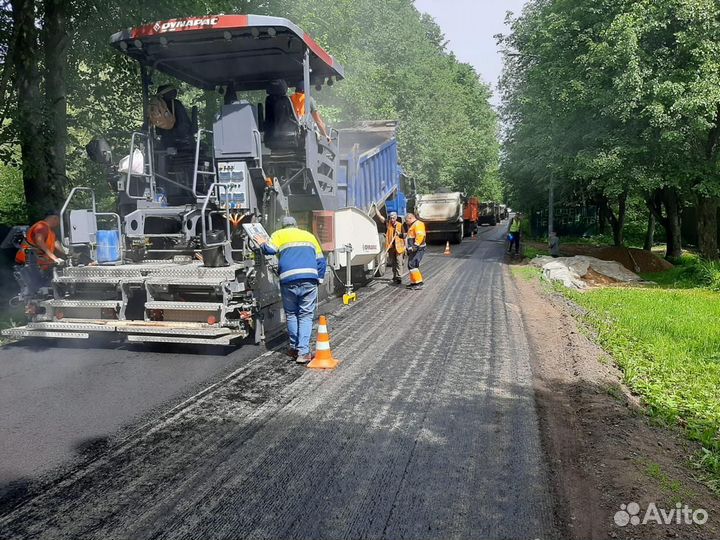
(62, 85)
(617, 99)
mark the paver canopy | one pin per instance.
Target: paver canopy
(243, 51)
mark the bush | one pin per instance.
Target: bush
(708, 274)
(12, 196)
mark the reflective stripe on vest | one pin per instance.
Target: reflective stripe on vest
(299, 271)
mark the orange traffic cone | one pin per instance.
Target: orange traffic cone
(323, 354)
(447, 249)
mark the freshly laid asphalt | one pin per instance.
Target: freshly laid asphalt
(428, 429)
(59, 401)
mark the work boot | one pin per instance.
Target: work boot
(292, 353)
(304, 358)
(397, 281)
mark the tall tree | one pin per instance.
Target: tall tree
(624, 94)
(55, 45)
(29, 116)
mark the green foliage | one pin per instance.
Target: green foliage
(12, 197)
(398, 68)
(532, 252)
(612, 97)
(689, 272)
(708, 274)
(396, 64)
(667, 343)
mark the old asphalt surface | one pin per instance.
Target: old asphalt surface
(428, 429)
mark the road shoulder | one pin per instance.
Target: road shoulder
(602, 449)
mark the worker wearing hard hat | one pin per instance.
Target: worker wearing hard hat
(302, 267)
(416, 250)
(394, 243)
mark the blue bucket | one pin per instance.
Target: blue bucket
(108, 246)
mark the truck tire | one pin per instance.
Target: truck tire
(457, 237)
(493, 222)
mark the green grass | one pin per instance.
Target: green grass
(679, 493)
(680, 277)
(689, 272)
(526, 273)
(532, 252)
(667, 342)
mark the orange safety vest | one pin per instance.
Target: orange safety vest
(394, 235)
(298, 101)
(417, 233)
(44, 261)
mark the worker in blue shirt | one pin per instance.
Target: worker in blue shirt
(302, 267)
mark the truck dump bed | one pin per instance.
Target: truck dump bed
(369, 172)
(442, 214)
(440, 207)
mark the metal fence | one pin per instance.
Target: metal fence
(569, 220)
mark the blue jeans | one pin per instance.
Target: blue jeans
(299, 301)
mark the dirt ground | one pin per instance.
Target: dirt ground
(603, 450)
(635, 260)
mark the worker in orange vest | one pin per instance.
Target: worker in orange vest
(300, 101)
(394, 243)
(42, 241)
(416, 250)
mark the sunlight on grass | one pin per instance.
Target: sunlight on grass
(527, 273)
(667, 342)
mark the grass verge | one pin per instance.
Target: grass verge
(689, 272)
(667, 342)
(526, 273)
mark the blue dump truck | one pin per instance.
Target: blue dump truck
(370, 176)
(369, 172)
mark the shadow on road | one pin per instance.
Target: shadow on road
(257, 461)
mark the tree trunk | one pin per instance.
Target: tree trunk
(29, 109)
(617, 222)
(650, 232)
(619, 227)
(56, 45)
(708, 227)
(602, 216)
(7, 78)
(671, 201)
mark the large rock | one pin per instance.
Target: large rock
(570, 271)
